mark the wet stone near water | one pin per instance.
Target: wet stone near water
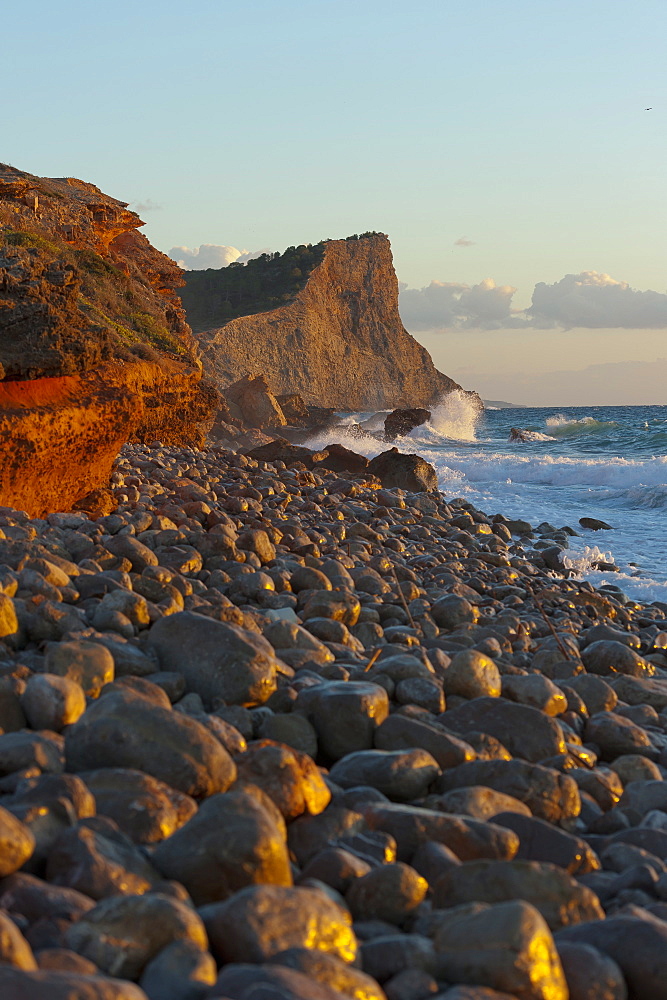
(274, 725)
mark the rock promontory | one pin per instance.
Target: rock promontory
(334, 336)
(94, 346)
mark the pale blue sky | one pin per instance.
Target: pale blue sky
(517, 124)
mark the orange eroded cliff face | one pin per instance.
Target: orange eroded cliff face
(94, 346)
(339, 342)
(59, 436)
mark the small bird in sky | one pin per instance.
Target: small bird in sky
(648, 109)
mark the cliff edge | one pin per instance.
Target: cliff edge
(338, 342)
(95, 349)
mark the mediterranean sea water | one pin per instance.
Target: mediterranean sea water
(606, 462)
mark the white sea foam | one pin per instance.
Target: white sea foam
(581, 473)
(565, 426)
(550, 470)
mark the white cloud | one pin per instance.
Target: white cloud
(146, 206)
(589, 300)
(211, 255)
(596, 301)
(442, 305)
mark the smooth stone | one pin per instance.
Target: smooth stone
(637, 944)
(26, 750)
(145, 809)
(292, 729)
(217, 659)
(289, 778)
(87, 663)
(96, 859)
(432, 860)
(407, 472)
(261, 921)
(607, 657)
(411, 984)
(121, 606)
(536, 691)
(14, 949)
(616, 736)
(344, 714)
(387, 955)
(391, 893)
(181, 971)
(17, 984)
(17, 843)
(129, 547)
(401, 775)
(526, 732)
(33, 899)
(47, 789)
(540, 841)
(474, 993)
(594, 524)
(548, 794)
(412, 826)
(643, 796)
(558, 896)
(597, 694)
(310, 834)
(331, 971)
(341, 605)
(122, 730)
(52, 702)
(507, 947)
(451, 611)
(122, 934)
(336, 867)
(590, 974)
(398, 732)
(634, 767)
(64, 960)
(641, 690)
(213, 867)
(472, 674)
(477, 801)
(241, 981)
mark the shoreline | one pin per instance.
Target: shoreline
(452, 746)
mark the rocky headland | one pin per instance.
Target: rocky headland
(338, 341)
(94, 346)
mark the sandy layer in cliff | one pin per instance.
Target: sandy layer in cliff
(340, 342)
(60, 436)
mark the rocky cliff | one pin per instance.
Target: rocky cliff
(94, 345)
(339, 342)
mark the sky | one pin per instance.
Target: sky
(502, 146)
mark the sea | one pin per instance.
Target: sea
(605, 462)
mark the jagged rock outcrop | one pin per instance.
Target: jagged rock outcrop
(94, 346)
(339, 342)
(398, 423)
(251, 401)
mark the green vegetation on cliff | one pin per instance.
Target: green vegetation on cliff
(111, 304)
(214, 296)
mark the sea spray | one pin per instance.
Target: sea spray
(456, 416)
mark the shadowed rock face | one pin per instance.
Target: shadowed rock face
(339, 342)
(94, 347)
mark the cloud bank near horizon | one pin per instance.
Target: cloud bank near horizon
(588, 300)
(212, 255)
